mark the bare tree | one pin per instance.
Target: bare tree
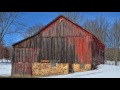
(98, 27)
(32, 30)
(76, 17)
(9, 24)
(4, 52)
(115, 34)
(1, 49)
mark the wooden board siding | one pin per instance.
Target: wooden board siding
(21, 69)
(60, 49)
(61, 41)
(25, 55)
(62, 28)
(97, 52)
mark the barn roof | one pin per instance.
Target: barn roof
(50, 24)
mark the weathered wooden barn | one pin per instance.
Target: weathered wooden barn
(58, 48)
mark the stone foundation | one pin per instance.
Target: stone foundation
(45, 69)
(80, 68)
(87, 66)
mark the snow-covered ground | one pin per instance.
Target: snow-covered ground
(108, 70)
(4, 60)
(112, 62)
(103, 71)
(5, 68)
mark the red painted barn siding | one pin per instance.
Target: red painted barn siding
(21, 69)
(82, 49)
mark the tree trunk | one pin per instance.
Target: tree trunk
(2, 60)
(116, 54)
(116, 62)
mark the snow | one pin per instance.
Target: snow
(4, 60)
(103, 71)
(108, 62)
(5, 68)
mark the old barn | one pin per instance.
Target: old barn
(60, 47)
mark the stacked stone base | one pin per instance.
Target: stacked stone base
(81, 68)
(45, 69)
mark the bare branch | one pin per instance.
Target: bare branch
(7, 24)
(32, 30)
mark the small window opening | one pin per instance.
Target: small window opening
(81, 65)
(53, 63)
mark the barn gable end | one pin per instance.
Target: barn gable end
(63, 28)
(59, 27)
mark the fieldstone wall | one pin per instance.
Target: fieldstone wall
(45, 69)
(80, 67)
